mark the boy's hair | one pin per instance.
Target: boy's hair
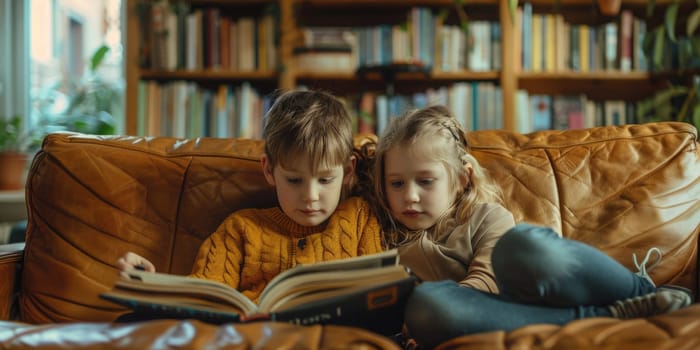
(424, 128)
(308, 123)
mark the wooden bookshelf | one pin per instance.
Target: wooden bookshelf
(293, 14)
(208, 74)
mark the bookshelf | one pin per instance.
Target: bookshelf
(294, 15)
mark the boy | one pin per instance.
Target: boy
(308, 159)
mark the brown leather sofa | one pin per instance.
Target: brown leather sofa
(623, 189)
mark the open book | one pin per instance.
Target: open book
(367, 291)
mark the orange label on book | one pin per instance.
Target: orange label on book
(382, 298)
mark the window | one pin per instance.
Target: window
(13, 53)
(66, 36)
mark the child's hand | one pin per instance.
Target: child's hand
(132, 261)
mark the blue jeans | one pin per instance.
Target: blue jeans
(542, 278)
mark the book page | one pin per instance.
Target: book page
(324, 281)
(306, 288)
(163, 282)
(340, 266)
(128, 297)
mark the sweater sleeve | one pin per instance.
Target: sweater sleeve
(368, 230)
(492, 225)
(220, 256)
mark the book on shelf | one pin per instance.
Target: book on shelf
(536, 50)
(568, 112)
(541, 112)
(625, 40)
(367, 291)
(610, 46)
(549, 43)
(615, 112)
(526, 37)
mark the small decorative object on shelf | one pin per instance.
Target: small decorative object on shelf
(324, 59)
(609, 7)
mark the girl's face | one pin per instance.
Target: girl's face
(418, 188)
(308, 198)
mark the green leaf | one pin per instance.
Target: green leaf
(512, 6)
(463, 18)
(693, 22)
(687, 104)
(670, 20)
(465, 26)
(98, 56)
(658, 52)
(442, 14)
(648, 43)
(650, 7)
(671, 92)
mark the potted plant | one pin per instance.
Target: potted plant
(14, 147)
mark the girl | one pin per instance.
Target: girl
(482, 272)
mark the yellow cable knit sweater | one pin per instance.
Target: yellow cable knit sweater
(254, 245)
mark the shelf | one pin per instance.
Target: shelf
(677, 74)
(593, 2)
(387, 3)
(442, 76)
(599, 86)
(404, 83)
(372, 12)
(229, 3)
(206, 75)
(579, 76)
(466, 75)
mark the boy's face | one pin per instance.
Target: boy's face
(309, 198)
(417, 188)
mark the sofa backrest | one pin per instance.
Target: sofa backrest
(623, 189)
(90, 199)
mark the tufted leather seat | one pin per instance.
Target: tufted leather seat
(90, 199)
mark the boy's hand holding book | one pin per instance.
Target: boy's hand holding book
(132, 261)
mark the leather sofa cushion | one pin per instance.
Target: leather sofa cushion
(677, 330)
(173, 334)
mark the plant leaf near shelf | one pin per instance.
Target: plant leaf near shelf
(650, 7)
(512, 6)
(670, 20)
(693, 22)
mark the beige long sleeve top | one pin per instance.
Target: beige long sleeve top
(462, 254)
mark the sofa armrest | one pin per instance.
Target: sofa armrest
(11, 257)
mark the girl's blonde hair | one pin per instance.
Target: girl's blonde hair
(308, 123)
(421, 128)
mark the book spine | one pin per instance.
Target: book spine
(626, 23)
